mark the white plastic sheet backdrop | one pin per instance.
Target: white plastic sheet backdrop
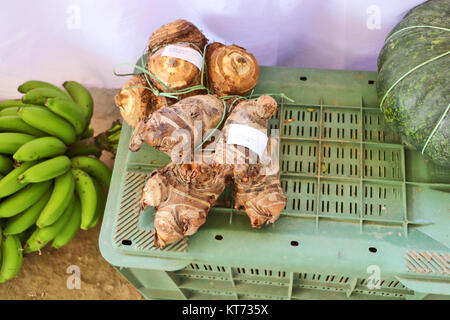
(83, 40)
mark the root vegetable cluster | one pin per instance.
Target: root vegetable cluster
(187, 82)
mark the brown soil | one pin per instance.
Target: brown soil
(44, 275)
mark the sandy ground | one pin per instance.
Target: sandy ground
(44, 275)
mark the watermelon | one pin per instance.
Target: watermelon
(415, 98)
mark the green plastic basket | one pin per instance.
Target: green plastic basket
(366, 218)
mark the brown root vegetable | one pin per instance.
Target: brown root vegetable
(177, 129)
(177, 31)
(231, 69)
(182, 196)
(136, 103)
(258, 190)
(171, 49)
(175, 73)
(256, 179)
(252, 113)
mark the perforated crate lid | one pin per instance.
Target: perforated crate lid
(356, 197)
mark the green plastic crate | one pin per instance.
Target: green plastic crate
(366, 218)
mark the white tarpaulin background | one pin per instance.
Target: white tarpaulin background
(83, 40)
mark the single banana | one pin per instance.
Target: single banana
(6, 164)
(10, 183)
(11, 141)
(12, 111)
(101, 203)
(62, 194)
(49, 233)
(82, 96)
(93, 167)
(9, 111)
(40, 95)
(10, 103)
(40, 148)
(47, 121)
(23, 221)
(71, 227)
(88, 132)
(85, 189)
(46, 170)
(23, 199)
(33, 243)
(83, 148)
(12, 258)
(16, 124)
(33, 84)
(70, 111)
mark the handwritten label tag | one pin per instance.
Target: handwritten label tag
(248, 137)
(185, 53)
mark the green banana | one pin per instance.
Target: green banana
(12, 258)
(12, 111)
(88, 132)
(46, 234)
(93, 167)
(16, 124)
(80, 148)
(71, 227)
(23, 221)
(62, 194)
(82, 96)
(40, 95)
(47, 121)
(10, 183)
(46, 170)
(33, 84)
(85, 189)
(101, 203)
(10, 103)
(39, 148)
(6, 164)
(11, 141)
(23, 199)
(9, 111)
(33, 243)
(1, 176)
(68, 110)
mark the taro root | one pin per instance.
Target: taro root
(231, 69)
(175, 73)
(137, 103)
(167, 46)
(182, 195)
(188, 119)
(258, 189)
(256, 179)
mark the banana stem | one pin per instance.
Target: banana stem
(107, 140)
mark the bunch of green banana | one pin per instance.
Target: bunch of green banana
(51, 181)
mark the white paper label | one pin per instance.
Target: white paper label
(248, 137)
(185, 53)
